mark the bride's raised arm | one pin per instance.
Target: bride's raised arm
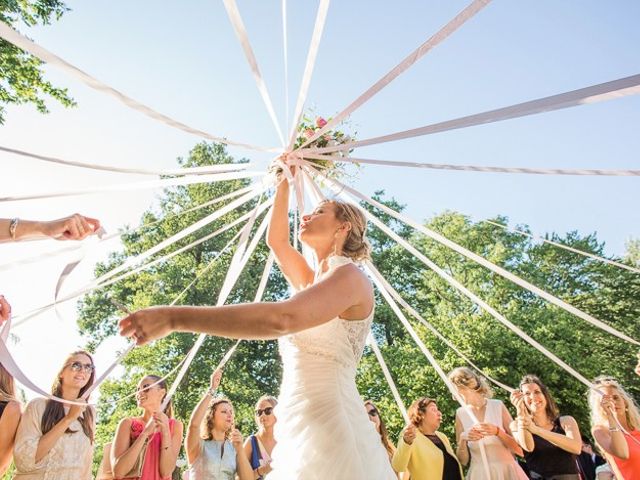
(292, 264)
(346, 292)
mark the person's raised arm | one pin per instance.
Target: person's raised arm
(193, 443)
(345, 290)
(570, 441)
(291, 262)
(73, 227)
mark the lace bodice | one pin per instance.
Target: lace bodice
(338, 340)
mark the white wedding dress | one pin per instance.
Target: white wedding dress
(323, 431)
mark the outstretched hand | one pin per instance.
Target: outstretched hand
(73, 227)
(146, 325)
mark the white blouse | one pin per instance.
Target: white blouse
(69, 459)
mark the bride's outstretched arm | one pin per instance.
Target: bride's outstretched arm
(344, 292)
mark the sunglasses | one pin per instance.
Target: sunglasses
(79, 366)
(373, 412)
(266, 411)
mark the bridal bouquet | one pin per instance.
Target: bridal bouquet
(331, 166)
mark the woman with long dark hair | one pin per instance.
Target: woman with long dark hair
(381, 428)
(55, 440)
(551, 442)
(147, 447)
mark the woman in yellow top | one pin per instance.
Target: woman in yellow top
(423, 451)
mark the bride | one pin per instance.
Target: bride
(322, 431)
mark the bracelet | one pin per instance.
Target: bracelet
(211, 392)
(13, 225)
(614, 429)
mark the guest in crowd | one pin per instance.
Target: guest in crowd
(258, 447)
(492, 432)
(381, 428)
(551, 442)
(73, 227)
(213, 445)
(615, 425)
(55, 440)
(10, 410)
(423, 451)
(147, 447)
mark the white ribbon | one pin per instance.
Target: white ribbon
(387, 375)
(595, 93)
(223, 167)
(473, 8)
(20, 41)
(479, 168)
(321, 17)
(243, 37)
(485, 263)
(565, 247)
(167, 182)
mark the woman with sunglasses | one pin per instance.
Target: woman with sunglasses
(213, 445)
(154, 438)
(258, 447)
(551, 442)
(55, 440)
(615, 425)
(381, 428)
(423, 451)
(322, 330)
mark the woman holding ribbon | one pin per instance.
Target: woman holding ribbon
(491, 432)
(147, 447)
(551, 442)
(214, 446)
(322, 330)
(615, 425)
(56, 440)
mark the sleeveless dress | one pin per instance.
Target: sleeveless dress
(547, 460)
(323, 431)
(502, 464)
(150, 468)
(630, 468)
(214, 463)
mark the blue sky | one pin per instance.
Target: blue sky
(186, 62)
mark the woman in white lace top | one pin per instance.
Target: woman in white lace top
(322, 429)
(55, 441)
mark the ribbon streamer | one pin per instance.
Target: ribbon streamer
(223, 167)
(243, 37)
(321, 18)
(479, 168)
(20, 41)
(167, 182)
(595, 93)
(466, 14)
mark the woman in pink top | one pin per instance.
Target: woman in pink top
(615, 422)
(161, 433)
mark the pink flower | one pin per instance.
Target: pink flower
(320, 122)
(308, 133)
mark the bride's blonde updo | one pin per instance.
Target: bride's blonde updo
(356, 246)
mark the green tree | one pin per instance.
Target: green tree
(21, 76)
